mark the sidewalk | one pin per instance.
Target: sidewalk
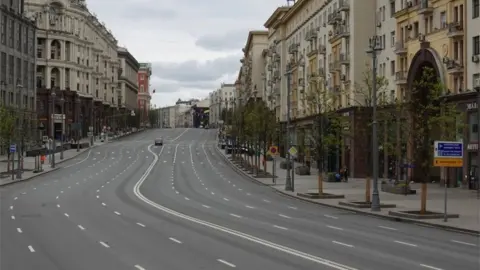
(29, 162)
(460, 201)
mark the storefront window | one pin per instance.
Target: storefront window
(472, 127)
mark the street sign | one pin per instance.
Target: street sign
(448, 154)
(13, 148)
(274, 150)
(293, 151)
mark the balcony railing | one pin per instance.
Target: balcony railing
(400, 47)
(401, 77)
(455, 29)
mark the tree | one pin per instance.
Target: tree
(430, 117)
(328, 126)
(153, 117)
(362, 99)
(7, 128)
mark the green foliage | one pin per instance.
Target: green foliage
(431, 117)
(153, 116)
(7, 125)
(329, 124)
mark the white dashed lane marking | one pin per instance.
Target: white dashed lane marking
(19, 230)
(329, 216)
(405, 243)
(280, 227)
(140, 224)
(175, 240)
(342, 244)
(31, 249)
(226, 263)
(104, 244)
(81, 227)
(464, 243)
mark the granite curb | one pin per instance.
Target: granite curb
(351, 209)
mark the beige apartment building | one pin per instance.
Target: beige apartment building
(251, 76)
(128, 80)
(77, 60)
(221, 99)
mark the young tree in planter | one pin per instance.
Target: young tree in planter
(430, 114)
(7, 127)
(320, 102)
(362, 99)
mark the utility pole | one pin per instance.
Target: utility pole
(477, 88)
(288, 184)
(52, 126)
(62, 103)
(374, 47)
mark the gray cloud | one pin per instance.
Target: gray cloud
(148, 12)
(231, 40)
(193, 71)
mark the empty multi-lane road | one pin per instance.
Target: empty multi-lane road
(130, 205)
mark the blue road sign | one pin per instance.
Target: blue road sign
(13, 148)
(449, 149)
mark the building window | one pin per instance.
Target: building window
(4, 28)
(392, 8)
(475, 9)
(472, 126)
(392, 38)
(476, 45)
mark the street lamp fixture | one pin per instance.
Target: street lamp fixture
(374, 47)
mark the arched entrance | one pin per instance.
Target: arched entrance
(424, 72)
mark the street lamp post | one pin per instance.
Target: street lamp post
(21, 132)
(374, 47)
(62, 103)
(288, 185)
(52, 128)
(477, 88)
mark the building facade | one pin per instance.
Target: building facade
(77, 68)
(251, 73)
(144, 96)
(17, 69)
(128, 81)
(473, 43)
(220, 100)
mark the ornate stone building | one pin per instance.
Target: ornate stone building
(77, 60)
(128, 81)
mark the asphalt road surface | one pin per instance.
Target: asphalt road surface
(130, 205)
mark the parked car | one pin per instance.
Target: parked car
(158, 141)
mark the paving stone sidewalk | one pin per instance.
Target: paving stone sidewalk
(463, 202)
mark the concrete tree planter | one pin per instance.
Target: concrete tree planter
(330, 177)
(415, 214)
(302, 170)
(355, 204)
(316, 195)
(397, 189)
(285, 164)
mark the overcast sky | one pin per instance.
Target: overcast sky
(193, 45)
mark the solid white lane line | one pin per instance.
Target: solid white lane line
(464, 243)
(388, 228)
(342, 244)
(233, 215)
(81, 227)
(19, 230)
(117, 213)
(226, 263)
(248, 206)
(175, 240)
(66, 215)
(139, 267)
(335, 228)
(206, 206)
(405, 243)
(225, 199)
(140, 224)
(329, 216)
(104, 244)
(294, 208)
(280, 227)
(31, 249)
(284, 216)
(430, 267)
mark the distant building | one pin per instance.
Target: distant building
(144, 96)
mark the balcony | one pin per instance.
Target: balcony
(321, 72)
(400, 48)
(344, 59)
(455, 66)
(330, 67)
(455, 29)
(312, 51)
(338, 32)
(334, 17)
(424, 8)
(401, 77)
(293, 48)
(322, 49)
(343, 5)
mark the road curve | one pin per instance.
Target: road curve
(130, 205)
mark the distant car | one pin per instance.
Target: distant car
(158, 141)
